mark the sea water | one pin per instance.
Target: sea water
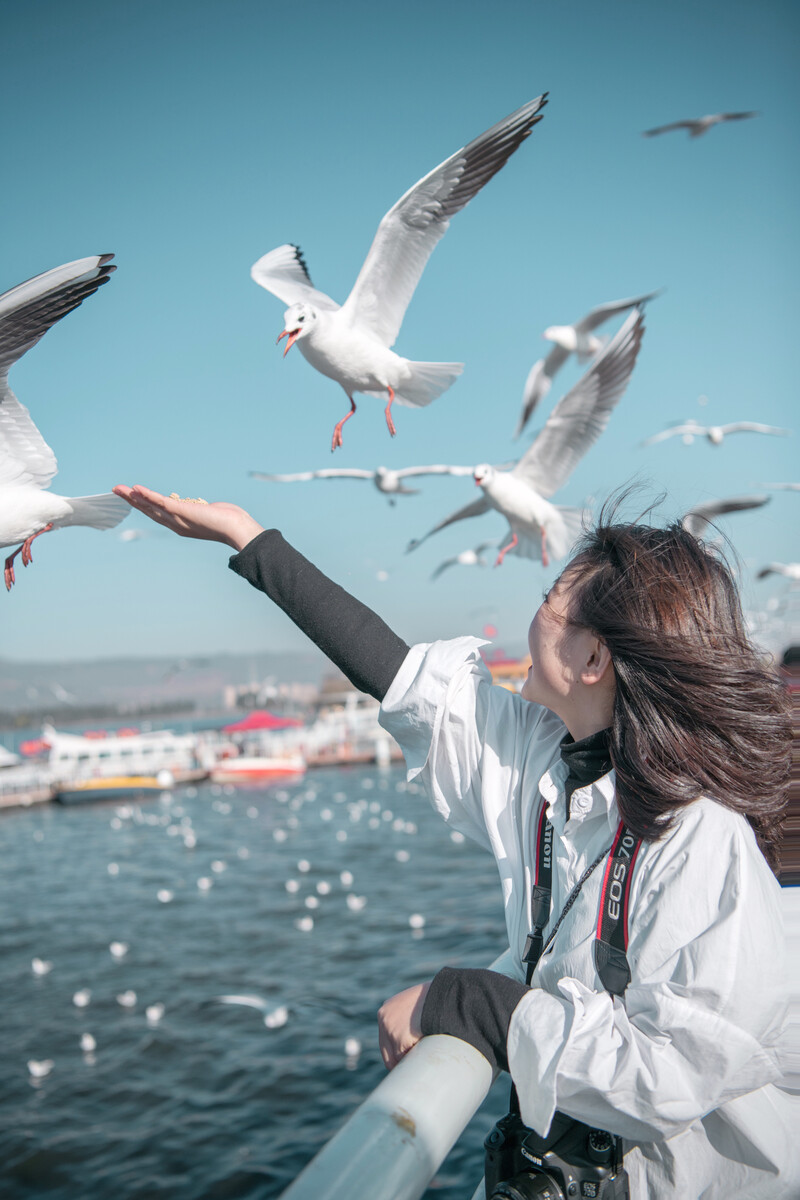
(321, 897)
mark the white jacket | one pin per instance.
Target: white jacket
(685, 1065)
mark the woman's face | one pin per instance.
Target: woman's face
(551, 642)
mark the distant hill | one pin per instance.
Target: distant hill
(137, 682)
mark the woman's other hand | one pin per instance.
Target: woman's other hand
(399, 1025)
(218, 522)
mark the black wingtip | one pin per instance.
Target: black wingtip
(298, 253)
(105, 258)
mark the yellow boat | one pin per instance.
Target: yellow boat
(112, 787)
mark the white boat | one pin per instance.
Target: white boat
(76, 759)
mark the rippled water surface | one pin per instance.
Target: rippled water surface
(208, 1101)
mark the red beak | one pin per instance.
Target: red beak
(293, 336)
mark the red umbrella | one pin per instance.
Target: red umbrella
(261, 719)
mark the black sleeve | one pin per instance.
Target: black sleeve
(474, 1005)
(353, 637)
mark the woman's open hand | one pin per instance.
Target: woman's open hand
(399, 1023)
(218, 522)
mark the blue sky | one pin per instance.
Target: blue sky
(191, 138)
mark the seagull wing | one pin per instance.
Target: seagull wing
(737, 116)
(538, 383)
(580, 417)
(475, 509)
(284, 273)
(604, 312)
(771, 569)
(410, 230)
(435, 469)
(673, 431)
(698, 518)
(326, 473)
(754, 427)
(667, 128)
(250, 1001)
(27, 311)
(443, 566)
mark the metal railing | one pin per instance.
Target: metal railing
(395, 1142)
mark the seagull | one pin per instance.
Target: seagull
(386, 480)
(700, 125)
(27, 464)
(467, 558)
(352, 343)
(700, 517)
(716, 434)
(788, 570)
(570, 339)
(276, 1016)
(41, 966)
(573, 426)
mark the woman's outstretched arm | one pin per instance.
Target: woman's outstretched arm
(352, 636)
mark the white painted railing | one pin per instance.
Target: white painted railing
(395, 1142)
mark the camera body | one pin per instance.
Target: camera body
(573, 1161)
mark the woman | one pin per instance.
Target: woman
(645, 710)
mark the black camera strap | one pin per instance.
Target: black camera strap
(611, 940)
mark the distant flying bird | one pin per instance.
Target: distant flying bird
(27, 464)
(697, 519)
(467, 558)
(388, 481)
(699, 125)
(716, 434)
(570, 339)
(788, 570)
(573, 426)
(352, 344)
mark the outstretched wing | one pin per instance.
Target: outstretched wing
(436, 469)
(667, 128)
(27, 311)
(580, 417)
(284, 273)
(538, 383)
(604, 312)
(698, 518)
(475, 509)
(754, 427)
(674, 431)
(326, 473)
(411, 229)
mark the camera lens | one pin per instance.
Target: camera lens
(527, 1186)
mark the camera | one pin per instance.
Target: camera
(574, 1160)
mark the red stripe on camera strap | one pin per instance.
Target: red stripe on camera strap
(611, 941)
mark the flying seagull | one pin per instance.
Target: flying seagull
(699, 125)
(352, 344)
(573, 426)
(467, 558)
(788, 570)
(716, 434)
(27, 464)
(569, 339)
(386, 480)
(698, 519)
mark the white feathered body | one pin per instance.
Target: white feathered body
(359, 362)
(528, 514)
(26, 509)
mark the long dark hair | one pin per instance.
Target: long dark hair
(697, 711)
